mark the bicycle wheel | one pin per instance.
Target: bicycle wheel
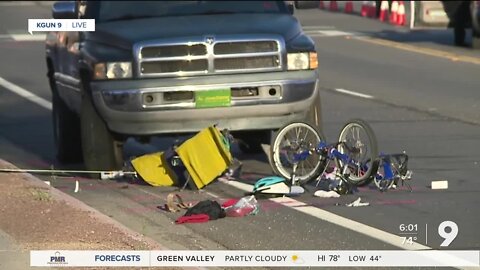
(359, 144)
(293, 139)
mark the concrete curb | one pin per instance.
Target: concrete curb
(74, 202)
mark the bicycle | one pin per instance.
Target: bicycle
(392, 169)
(306, 155)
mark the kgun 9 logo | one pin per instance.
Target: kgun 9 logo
(46, 25)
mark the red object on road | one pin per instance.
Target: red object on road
(321, 5)
(383, 11)
(364, 10)
(229, 203)
(401, 13)
(394, 12)
(348, 7)
(333, 6)
(198, 218)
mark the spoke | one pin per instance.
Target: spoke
(309, 163)
(306, 134)
(303, 170)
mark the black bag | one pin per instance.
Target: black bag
(211, 208)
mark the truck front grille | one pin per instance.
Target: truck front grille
(247, 63)
(245, 47)
(198, 57)
(174, 66)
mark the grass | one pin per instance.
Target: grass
(41, 194)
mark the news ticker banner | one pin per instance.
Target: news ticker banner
(253, 258)
(46, 25)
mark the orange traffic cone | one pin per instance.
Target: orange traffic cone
(364, 9)
(394, 12)
(372, 9)
(333, 6)
(321, 5)
(401, 13)
(348, 7)
(383, 11)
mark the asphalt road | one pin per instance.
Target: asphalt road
(426, 105)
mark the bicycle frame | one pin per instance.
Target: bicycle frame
(330, 153)
(391, 173)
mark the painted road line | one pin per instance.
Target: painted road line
(316, 212)
(317, 27)
(26, 94)
(328, 33)
(28, 37)
(427, 51)
(353, 93)
(17, 3)
(334, 33)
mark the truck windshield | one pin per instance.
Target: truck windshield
(131, 10)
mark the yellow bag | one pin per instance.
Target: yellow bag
(205, 156)
(153, 169)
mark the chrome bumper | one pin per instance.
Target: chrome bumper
(122, 103)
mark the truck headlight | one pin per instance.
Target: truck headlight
(302, 61)
(113, 70)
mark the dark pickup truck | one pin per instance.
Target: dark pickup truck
(174, 67)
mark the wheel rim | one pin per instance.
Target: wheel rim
(358, 146)
(293, 139)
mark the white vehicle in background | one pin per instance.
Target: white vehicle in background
(459, 15)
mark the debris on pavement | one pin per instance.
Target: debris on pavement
(439, 184)
(326, 194)
(175, 203)
(357, 203)
(245, 206)
(185, 164)
(77, 186)
(202, 212)
(234, 170)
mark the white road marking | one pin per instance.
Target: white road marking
(28, 37)
(328, 33)
(353, 93)
(333, 33)
(16, 3)
(316, 212)
(26, 94)
(317, 27)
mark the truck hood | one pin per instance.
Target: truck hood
(124, 34)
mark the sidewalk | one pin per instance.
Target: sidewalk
(35, 216)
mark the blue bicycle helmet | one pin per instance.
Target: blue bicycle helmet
(267, 181)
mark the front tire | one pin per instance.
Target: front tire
(101, 152)
(66, 130)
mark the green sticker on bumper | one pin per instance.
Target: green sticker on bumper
(213, 98)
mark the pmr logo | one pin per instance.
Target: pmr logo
(58, 259)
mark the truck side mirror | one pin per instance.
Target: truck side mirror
(290, 8)
(64, 10)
